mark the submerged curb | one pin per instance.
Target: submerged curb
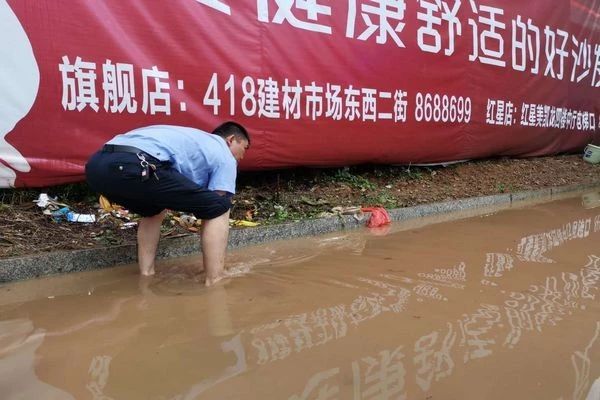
(20, 268)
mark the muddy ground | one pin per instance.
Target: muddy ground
(281, 196)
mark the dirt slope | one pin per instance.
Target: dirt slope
(279, 196)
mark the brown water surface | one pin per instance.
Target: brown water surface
(498, 306)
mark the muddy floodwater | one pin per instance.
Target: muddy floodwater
(503, 305)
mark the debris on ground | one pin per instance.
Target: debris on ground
(242, 223)
(84, 218)
(355, 211)
(60, 211)
(379, 217)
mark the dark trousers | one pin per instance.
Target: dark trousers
(118, 176)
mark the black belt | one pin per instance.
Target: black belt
(117, 148)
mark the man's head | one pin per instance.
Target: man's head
(236, 136)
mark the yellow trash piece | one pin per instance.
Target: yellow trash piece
(107, 206)
(241, 222)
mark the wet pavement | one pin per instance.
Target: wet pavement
(503, 305)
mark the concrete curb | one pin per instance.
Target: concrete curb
(19, 268)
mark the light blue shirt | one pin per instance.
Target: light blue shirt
(199, 156)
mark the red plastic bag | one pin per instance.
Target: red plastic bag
(379, 217)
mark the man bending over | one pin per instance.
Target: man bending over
(154, 168)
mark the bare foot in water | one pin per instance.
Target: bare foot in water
(212, 280)
(144, 283)
(147, 271)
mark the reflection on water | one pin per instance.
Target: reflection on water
(591, 200)
(18, 379)
(488, 307)
(533, 247)
(582, 365)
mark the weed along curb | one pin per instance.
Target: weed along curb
(20, 268)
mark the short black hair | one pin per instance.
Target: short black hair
(232, 128)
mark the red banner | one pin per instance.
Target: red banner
(316, 82)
